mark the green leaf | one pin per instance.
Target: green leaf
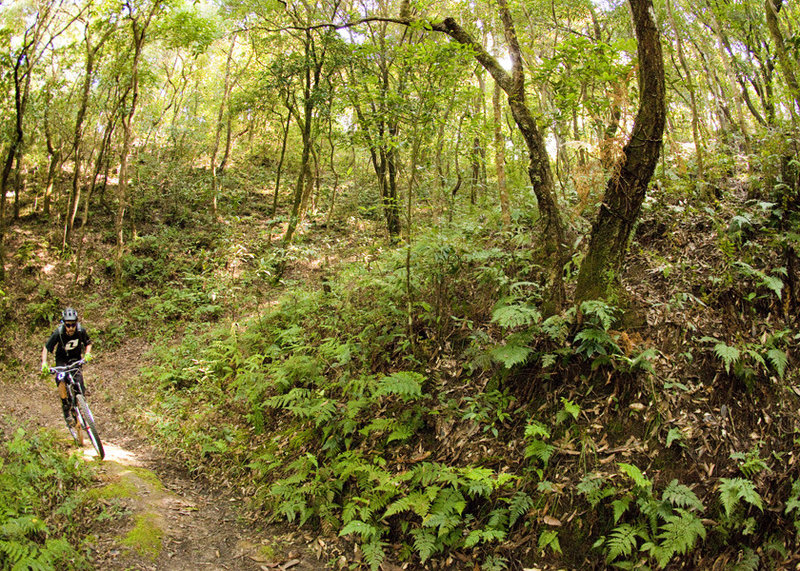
(424, 543)
(549, 538)
(510, 355)
(680, 533)
(365, 530)
(517, 315)
(681, 496)
(727, 354)
(635, 474)
(621, 541)
(732, 490)
(779, 361)
(405, 384)
(620, 507)
(673, 435)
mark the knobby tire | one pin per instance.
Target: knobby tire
(88, 425)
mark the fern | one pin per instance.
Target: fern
(519, 505)
(622, 541)
(674, 435)
(592, 487)
(734, 490)
(365, 530)
(424, 543)
(374, 553)
(549, 538)
(678, 536)
(600, 313)
(516, 315)
(636, 475)
(621, 506)
(681, 496)
(510, 355)
(417, 502)
(748, 561)
(727, 354)
(793, 503)
(405, 384)
(778, 360)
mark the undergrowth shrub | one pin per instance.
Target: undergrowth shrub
(41, 491)
(339, 402)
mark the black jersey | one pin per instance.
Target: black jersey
(68, 348)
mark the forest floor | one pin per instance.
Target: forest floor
(169, 520)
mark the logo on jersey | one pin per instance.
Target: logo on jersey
(73, 344)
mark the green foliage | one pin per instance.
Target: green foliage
(734, 493)
(40, 489)
(659, 529)
(752, 361)
(45, 311)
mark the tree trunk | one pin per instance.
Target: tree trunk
(500, 157)
(226, 92)
(698, 143)
(139, 30)
(539, 170)
(627, 188)
(771, 8)
(279, 170)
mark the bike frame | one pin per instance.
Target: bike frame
(78, 406)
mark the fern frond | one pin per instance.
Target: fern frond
(748, 561)
(536, 429)
(732, 490)
(406, 384)
(727, 354)
(365, 530)
(424, 543)
(600, 311)
(635, 474)
(592, 487)
(778, 360)
(678, 536)
(516, 315)
(549, 538)
(622, 541)
(519, 504)
(14, 550)
(510, 355)
(681, 496)
(793, 503)
(621, 506)
(374, 554)
(539, 449)
(417, 502)
(681, 532)
(448, 501)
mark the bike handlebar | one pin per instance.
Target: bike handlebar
(66, 368)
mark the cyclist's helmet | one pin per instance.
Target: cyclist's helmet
(69, 315)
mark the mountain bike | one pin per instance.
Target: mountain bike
(81, 415)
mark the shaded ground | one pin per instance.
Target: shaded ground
(167, 519)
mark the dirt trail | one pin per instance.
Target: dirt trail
(173, 521)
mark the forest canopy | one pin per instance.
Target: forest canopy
(396, 104)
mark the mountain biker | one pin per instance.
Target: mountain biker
(70, 341)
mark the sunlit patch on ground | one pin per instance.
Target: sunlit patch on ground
(113, 454)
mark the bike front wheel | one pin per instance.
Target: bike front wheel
(87, 420)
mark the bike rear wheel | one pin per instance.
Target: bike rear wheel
(87, 420)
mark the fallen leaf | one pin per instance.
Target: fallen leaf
(550, 520)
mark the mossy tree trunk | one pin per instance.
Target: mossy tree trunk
(626, 189)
